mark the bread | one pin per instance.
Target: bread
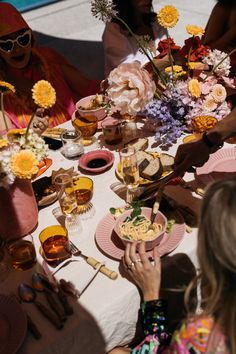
(167, 162)
(143, 159)
(153, 171)
(138, 144)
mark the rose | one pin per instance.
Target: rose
(130, 87)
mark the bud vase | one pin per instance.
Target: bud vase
(18, 210)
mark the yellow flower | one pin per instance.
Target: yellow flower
(3, 143)
(177, 69)
(24, 164)
(202, 123)
(168, 16)
(5, 87)
(195, 30)
(194, 88)
(44, 94)
(13, 133)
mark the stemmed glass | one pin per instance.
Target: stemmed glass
(67, 200)
(87, 125)
(129, 171)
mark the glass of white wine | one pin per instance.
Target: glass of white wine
(129, 171)
(67, 199)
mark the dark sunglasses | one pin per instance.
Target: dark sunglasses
(22, 40)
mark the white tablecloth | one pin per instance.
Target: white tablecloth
(109, 306)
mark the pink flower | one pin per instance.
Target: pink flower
(219, 93)
(130, 87)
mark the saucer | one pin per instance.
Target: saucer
(96, 161)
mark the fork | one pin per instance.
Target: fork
(75, 251)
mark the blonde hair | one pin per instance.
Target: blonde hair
(217, 257)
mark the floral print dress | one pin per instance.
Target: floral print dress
(198, 336)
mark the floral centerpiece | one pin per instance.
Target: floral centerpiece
(21, 151)
(190, 94)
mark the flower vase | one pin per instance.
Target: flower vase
(18, 210)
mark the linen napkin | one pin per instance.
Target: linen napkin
(77, 271)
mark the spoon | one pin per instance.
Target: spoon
(41, 284)
(28, 294)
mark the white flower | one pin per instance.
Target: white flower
(34, 143)
(219, 93)
(209, 103)
(6, 175)
(130, 87)
(103, 10)
(214, 57)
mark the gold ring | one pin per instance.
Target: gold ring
(138, 261)
(131, 265)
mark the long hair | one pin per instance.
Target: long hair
(126, 11)
(217, 257)
(226, 2)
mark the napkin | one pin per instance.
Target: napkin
(77, 271)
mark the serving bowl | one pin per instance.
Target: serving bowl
(83, 103)
(149, 243)
(96, 161)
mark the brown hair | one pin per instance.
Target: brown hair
(217, 257)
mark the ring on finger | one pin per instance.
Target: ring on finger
(131, 265)
(137, 261)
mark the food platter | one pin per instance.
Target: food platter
(143, 181)
(44, 191)
(112, 246)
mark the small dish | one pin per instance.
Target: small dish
(44, 191)
(96, 161)
(151, 242)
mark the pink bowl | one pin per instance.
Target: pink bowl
(149, 244)
(99, 112)
(93, 155)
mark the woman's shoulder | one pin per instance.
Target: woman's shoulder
(111, 28)
(197, 334)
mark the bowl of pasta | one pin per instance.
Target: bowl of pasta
(131, 227)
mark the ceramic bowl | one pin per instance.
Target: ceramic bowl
(96, 161)
(149, 244)
(99, 112)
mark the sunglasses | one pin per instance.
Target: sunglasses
(22, 40)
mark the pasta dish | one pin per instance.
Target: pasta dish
(139, 228)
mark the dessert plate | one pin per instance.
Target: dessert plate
(219, 166)
(13, 325)
(44, 191)
(96, 161)
(108, 241)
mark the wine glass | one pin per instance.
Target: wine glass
(83, 187)
(87, 125)
(67, 200)
(129, 171)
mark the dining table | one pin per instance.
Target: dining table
(106, 314)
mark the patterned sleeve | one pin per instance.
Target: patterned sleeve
(154, 326)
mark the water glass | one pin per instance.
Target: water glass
(22, 252)
(72, 146)
(129, 170)
(83, 187)
(66, 194)
(54, 241)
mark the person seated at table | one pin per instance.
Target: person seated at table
(119, 45)
(210, 325)
(23, 63)
(220, 31)
(196, 153)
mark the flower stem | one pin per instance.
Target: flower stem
(28, 126)
(169, 52)
(155, 69)
(216, 66)
(3, 111)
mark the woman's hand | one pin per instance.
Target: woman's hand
(145, 274)
(40, 121)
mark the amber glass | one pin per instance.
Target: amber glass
(83, 187)
(22, 252)
(87, 126)
(54, 242)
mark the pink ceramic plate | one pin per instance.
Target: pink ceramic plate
(219, 166)
(95, 158)
(108, 241)
(13, 325)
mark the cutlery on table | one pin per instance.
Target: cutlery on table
(40, 283)
(58, 290)
(28, 294)
(156, 204)
(75, 251)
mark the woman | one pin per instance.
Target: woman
(22, 64)
(119, 45)
(211, 330)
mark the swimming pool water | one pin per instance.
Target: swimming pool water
(25, 5)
